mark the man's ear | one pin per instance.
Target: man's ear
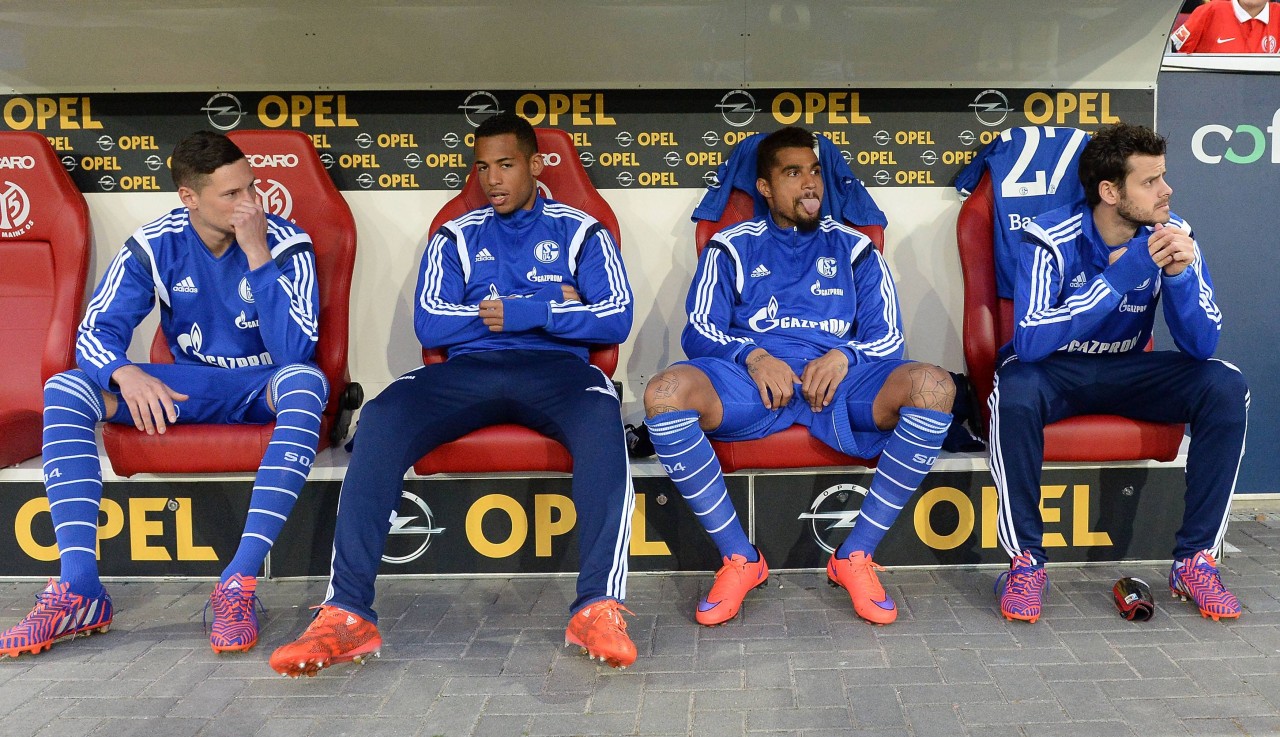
(762, 186)
(535, 165)
(188, 197)
(1109, 192)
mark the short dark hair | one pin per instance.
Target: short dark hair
(199, 155)
(504, 123)
(1106, 156)
(789, 137)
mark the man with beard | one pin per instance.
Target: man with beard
(1089, 278)
(789, 299)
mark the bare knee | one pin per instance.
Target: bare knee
(920, 385)
(930, 387)
(682, 388)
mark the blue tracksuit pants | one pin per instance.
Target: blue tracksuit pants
(1166, 386)
(553, 392)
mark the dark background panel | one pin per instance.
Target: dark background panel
(470, 526)
(952, 519)
(382, 140)
(145, 528)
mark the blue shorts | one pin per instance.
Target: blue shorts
(217, 395)
(847, 424)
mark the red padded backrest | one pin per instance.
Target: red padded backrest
(988, 319)
(45, 243)
(741, 207)
(293, 184)
(565, 181)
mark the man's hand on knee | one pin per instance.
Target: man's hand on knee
(821, 377)
(150, 400)
(774, 378)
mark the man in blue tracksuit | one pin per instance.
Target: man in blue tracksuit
(240, 310)
(1089, 279)
(516, 292)
(793, 319)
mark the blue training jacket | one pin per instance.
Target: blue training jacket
(795, 294)
(523, 258)
(1069, 299)
(213, 311)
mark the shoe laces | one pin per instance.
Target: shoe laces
(612, 611)
(864, 571)
(1021, 577)
(1205, 573)
(736, 563)
(232, 603)
(51, 598)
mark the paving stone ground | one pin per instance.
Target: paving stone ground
(485, 657)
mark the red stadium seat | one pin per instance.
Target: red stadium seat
(513, 448)
(45, 242)
(988, 325)
(793, 447)
(293, 184)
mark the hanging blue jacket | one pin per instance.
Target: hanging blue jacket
(1034, 169)
(844, 197)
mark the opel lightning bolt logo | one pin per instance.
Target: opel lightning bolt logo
(830, 516)
(991, 107)
(738, 108)
(411, 530)
(224, 111)
(478, 107)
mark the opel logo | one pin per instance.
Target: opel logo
(990, 107)
(738, 108)
(478, 107)
(411, 530)
(223, 110)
